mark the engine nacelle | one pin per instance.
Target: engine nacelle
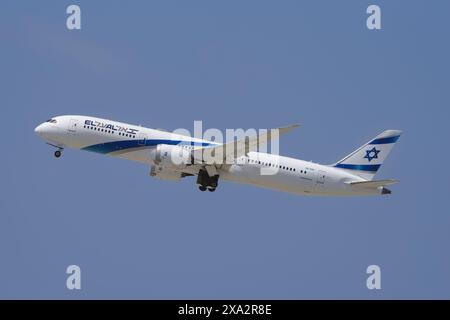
(164, 174)
(170, 156)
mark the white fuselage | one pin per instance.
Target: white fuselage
(134, 142)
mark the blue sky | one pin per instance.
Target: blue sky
(231, 64)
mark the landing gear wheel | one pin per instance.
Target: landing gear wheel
(58, 153)
(202, 188)
(211, 189)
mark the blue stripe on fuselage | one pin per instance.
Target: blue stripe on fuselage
(109, 147)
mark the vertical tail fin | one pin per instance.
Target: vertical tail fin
(366, 160)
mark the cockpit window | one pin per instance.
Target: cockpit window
(51, 120)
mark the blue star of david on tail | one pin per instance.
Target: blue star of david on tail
(372, 154)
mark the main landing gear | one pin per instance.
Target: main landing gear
(210, 189)
(205, 182)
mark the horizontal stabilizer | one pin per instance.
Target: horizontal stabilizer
(373, 184)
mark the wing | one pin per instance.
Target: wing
(226, 153)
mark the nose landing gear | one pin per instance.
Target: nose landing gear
(59, 150)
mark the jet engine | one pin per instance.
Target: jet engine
(169, 156)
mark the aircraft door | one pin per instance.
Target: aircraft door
(142, 139)
(73, 126)
(320, 178)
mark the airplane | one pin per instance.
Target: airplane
(353, 175)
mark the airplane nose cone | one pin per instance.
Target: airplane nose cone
(48, 132)
(39, 129)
